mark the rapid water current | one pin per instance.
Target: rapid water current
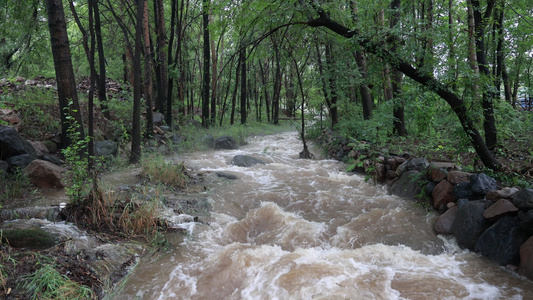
(305, 229)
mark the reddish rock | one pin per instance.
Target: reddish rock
(44, 174)
(443, 223)
(443, 194)
(454, 177)
(501, 194)
(526, 259)
(499, 209)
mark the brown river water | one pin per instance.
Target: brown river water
(305, 229)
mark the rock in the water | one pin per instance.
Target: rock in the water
(44, 174)
(245, 161)
(407, 185)
(31, 237)
(226, 142)
(523, 199)
(19, 162)
(501, 242)
(469, 224)
(499, 209)
(526, 259)
(227, 175)
(105, 148)
(12, 144)
(442, 194)
(443, 223)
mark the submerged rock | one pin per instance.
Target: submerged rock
(226, 142)
(246, 161)
(28, 237)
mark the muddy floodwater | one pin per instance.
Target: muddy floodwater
(305, 229)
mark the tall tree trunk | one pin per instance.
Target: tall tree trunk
(264, 77)
(164, 106)
(135, 154)
(332, 85)
(102, 95)
(277, 85)
(148, 88)
(92, 12)
(244, 94)
(397, 77)
(66, 82)
(170, 62)
(234, 96)
(206, 64)
(480, 21)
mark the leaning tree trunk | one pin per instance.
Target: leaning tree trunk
(66, 82)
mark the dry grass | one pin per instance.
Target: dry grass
(159, 171)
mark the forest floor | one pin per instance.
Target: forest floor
(516, 157)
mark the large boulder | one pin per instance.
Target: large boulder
(501, 242)
(226, 142)
(469, 223)
(443, 223)
(407, 185)
(481, 184)
(442, 194)
(19, 162)
(12, 144)
(523, 199)
(416, 164)
(505, 193)
(105, 148)
(30, 237)
(44, 174)
(246, 161)
(526, 259)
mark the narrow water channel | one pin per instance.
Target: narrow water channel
(305, 229)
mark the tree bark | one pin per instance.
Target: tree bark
(244, 94)
(164, 106)
(135, 154)
(206, 64)
(148, 87)
(397, 77)
(66, 82)
(102, 95)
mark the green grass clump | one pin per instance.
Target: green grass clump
(160, 171)
(48, 283)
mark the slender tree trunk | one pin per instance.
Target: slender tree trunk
(162, 60)
(66, 82)
(92, 12)
(206, 64)
(264, 77)
(136, 120)
(102, 95)
(277, 86)
(332, 84)
(148, 88)
(480, 21)
(397, 78)
(234, 96)
(244, 94)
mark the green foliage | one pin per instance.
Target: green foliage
(48, 283)
(76, 157)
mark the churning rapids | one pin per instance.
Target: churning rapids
(305, 229)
